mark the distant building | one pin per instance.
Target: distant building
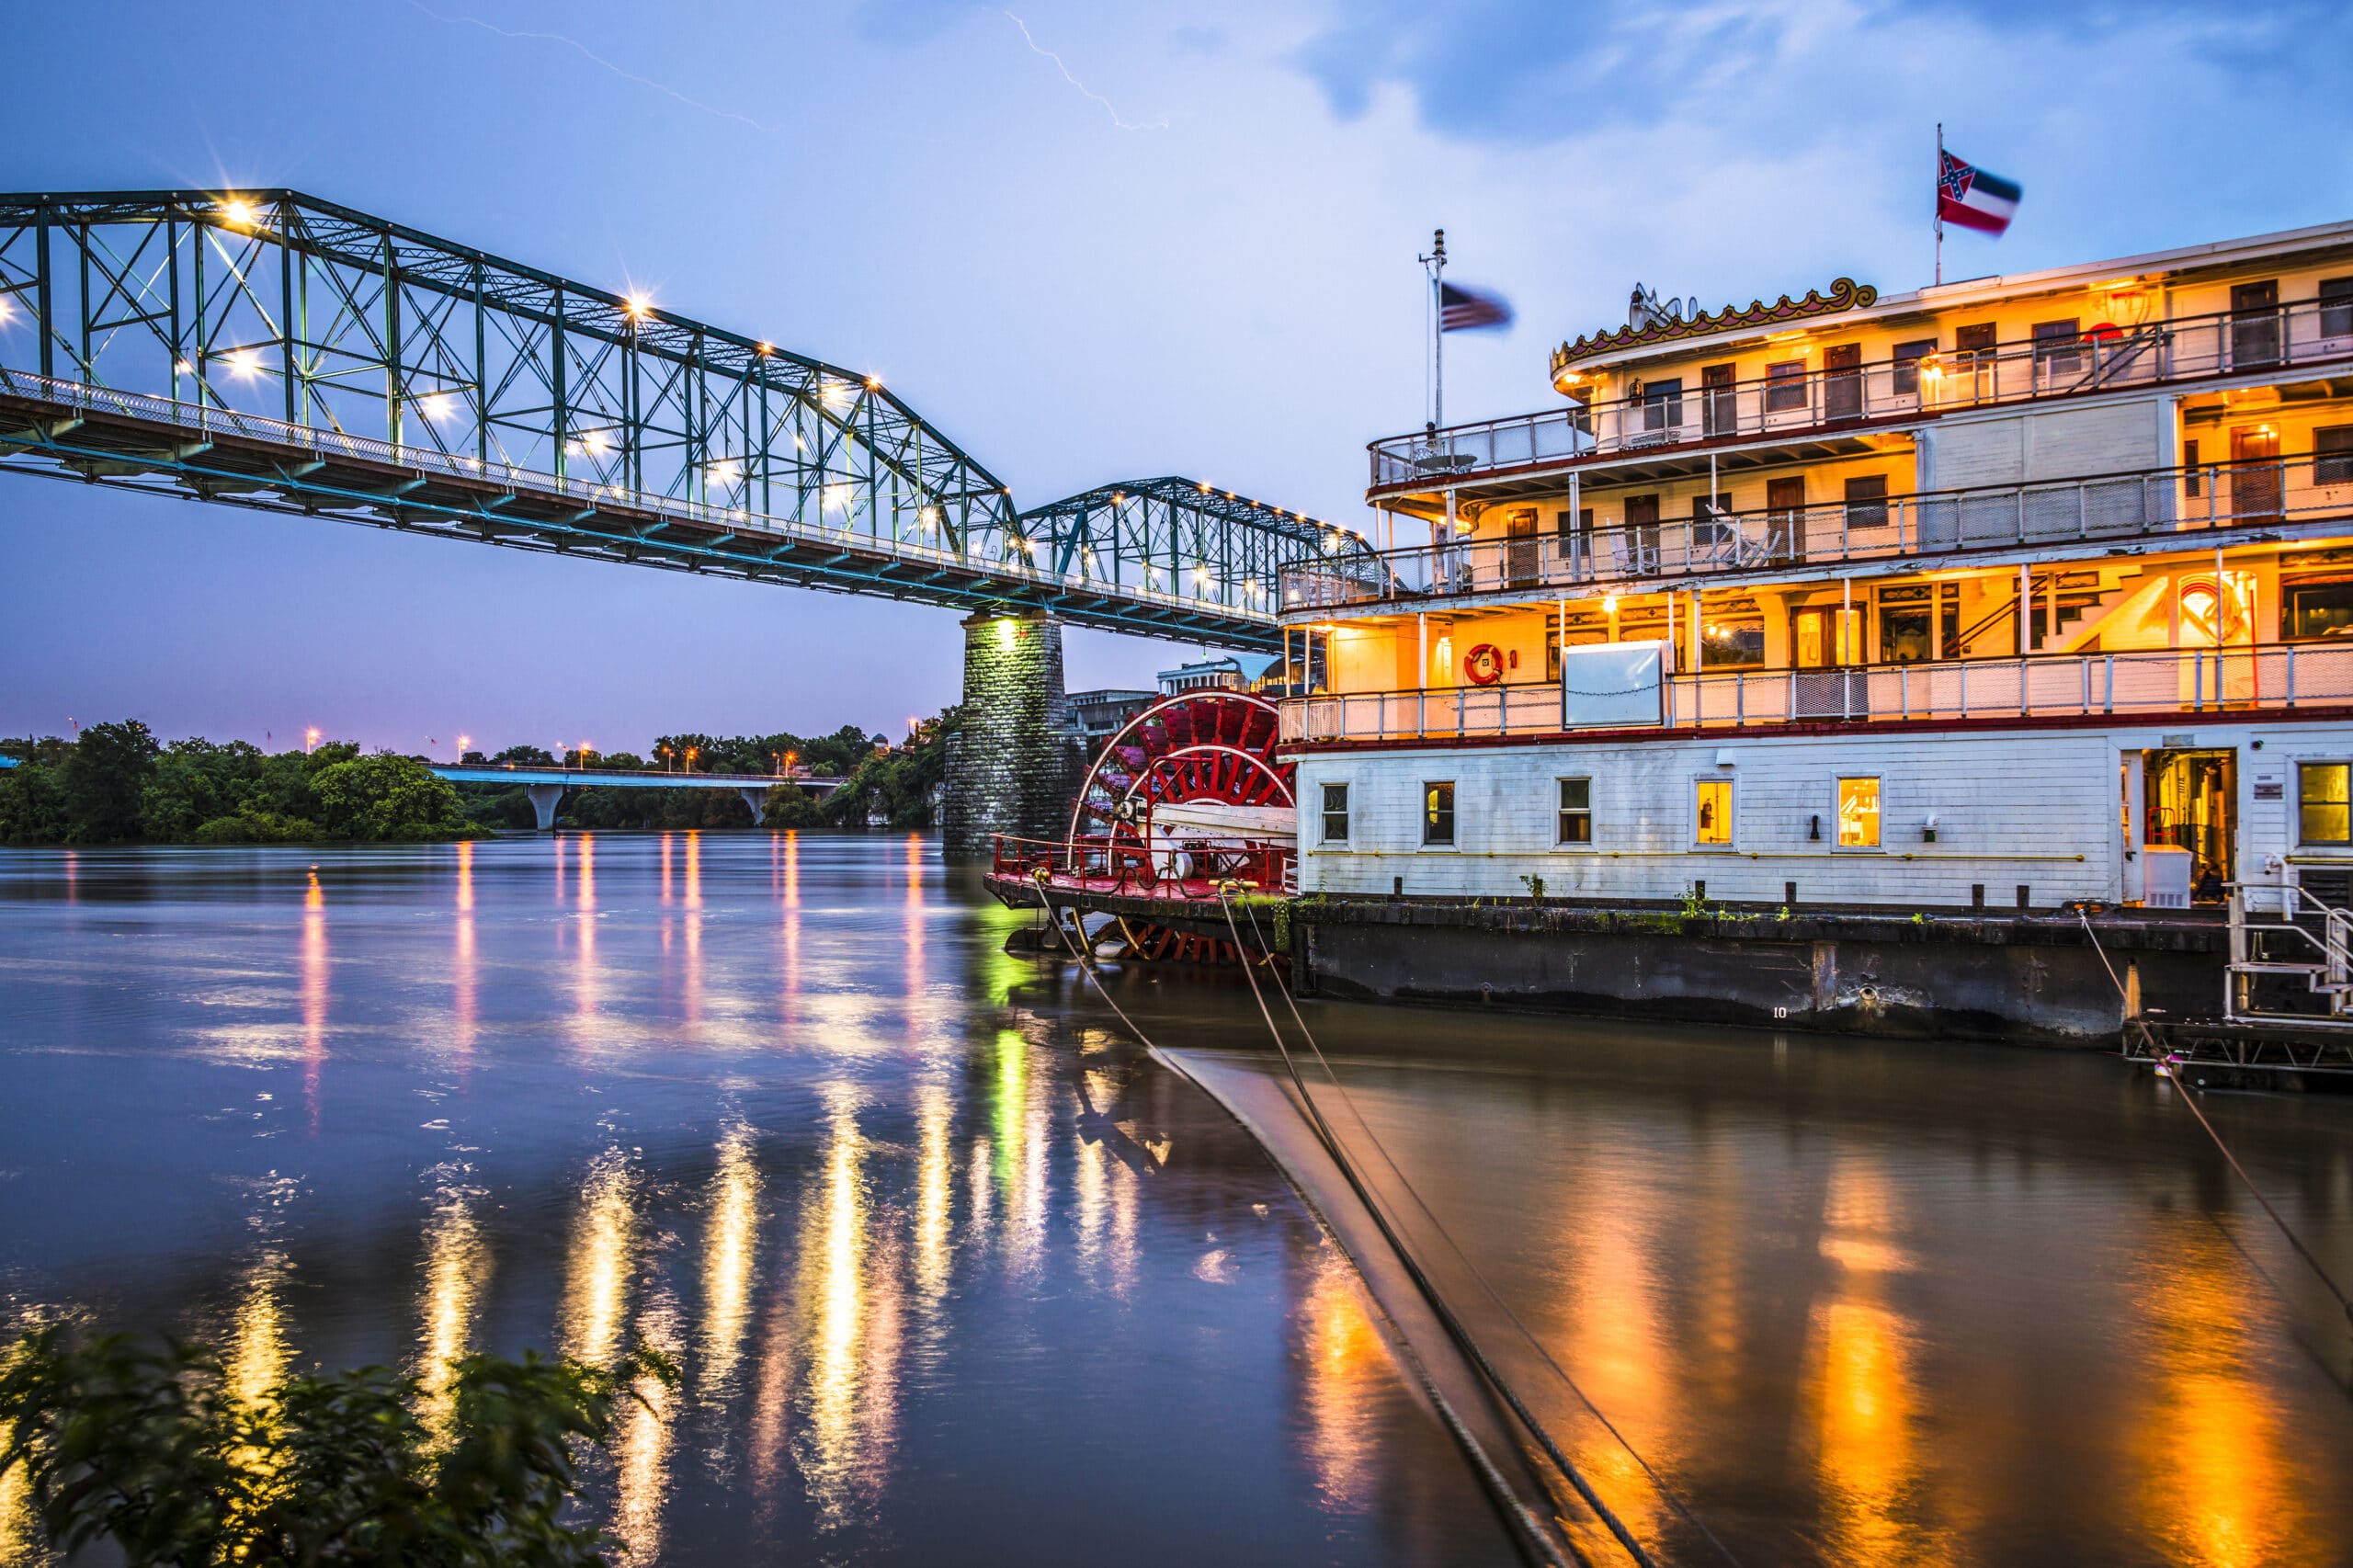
(1226, 672)
(1097, 716)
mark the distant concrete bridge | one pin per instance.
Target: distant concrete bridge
(545, 786)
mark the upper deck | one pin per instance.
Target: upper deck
(1812, 379)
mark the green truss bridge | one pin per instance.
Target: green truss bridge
(269, 350)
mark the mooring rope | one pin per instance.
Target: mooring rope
(1531, 1529)
(2170, 1064)
(1477, 1276)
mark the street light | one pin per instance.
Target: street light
(310, 739)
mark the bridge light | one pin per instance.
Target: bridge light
(238, 211)
(8, 307)
(637, 307)
(1205, 490)
(441, 405)
(246, 362)
(597, 443)
(765, 349)
(838, 396)
(873, 383)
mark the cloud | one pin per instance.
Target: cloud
(1534, 72)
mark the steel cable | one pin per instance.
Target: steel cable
(1477, 1276)
(1533, 1533)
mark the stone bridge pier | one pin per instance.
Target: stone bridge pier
(1014, 763)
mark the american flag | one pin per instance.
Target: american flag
(1468, 310)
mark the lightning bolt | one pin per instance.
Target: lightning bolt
(597, 58)
(1107, 108)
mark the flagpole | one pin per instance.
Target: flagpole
(1435, 263)
(1940, 202)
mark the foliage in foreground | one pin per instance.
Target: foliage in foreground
(149, 1452)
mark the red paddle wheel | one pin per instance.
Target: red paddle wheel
(1190, 790)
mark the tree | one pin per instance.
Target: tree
(388, 799)
(152, 1452)
(103, 776)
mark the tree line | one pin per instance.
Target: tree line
(116, 783)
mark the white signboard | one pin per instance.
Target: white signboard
(1605, 685)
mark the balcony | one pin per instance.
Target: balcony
(1933, 527)
(2165, 683)
(2100, 358)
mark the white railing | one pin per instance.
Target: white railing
(2111, 506)
(2164, 681)
(211, 420)
(2099, 359)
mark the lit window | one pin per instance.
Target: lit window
(1858, 814)
(1336, 814)
(1576, 811)
(1438, 814)
(2321, 801)
(1713, 812)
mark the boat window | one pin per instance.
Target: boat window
(2337, 307)
(2333, 455)
(1576, 811)
(1858, 814)
(1336, 814)
(1906, 379)
(2321, 802)
(2320, 610)
(1437, 812)
(1785, 386)
(1711, 806)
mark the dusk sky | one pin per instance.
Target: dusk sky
(1186, 244)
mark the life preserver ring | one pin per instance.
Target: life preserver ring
(1483, 664)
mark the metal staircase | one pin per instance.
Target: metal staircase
(2280, 929)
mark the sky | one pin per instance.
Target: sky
(1090, 242)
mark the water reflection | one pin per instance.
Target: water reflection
(314, 970)
(457, 1263)
(2218, 1485)
(727, 1260)
(642, 1467)
(850, 1305)
(1345, 1366)
(597, 1289)
(1860, 1383)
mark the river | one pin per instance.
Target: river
(956, 1273)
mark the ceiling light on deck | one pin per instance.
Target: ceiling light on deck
(1609, 605)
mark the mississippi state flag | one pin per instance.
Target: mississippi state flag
(1466, 310)
(1973, 199)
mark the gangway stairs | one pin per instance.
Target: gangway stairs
(2283, 929)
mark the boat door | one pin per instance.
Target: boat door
(1825, 642)
(1519, 546)
(1842, 382)
(2255, 472)
(2192, 803)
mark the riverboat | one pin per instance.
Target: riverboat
(2000, 598)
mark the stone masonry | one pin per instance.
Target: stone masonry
(1014, 763)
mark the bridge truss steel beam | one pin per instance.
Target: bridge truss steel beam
(270, 349)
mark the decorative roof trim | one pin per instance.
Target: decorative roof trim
(1845, 294)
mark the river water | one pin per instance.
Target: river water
(956, 1273)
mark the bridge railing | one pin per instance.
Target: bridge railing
(1115, 864)
(1016, 559)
